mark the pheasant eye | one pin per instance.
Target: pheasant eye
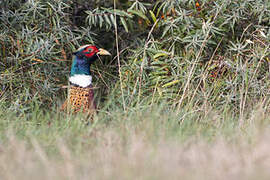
(89, 49)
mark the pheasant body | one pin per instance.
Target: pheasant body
(80, 99)
(80, 93)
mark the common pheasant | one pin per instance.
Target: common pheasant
(80, 92)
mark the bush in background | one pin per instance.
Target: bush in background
(205, 54)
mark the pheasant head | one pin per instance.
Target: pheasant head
(80, 71)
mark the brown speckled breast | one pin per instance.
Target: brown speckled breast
(80, 99)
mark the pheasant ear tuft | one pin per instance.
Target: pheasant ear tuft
(78, 54)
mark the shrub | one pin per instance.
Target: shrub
(210, 53)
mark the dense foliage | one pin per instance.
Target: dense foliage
(206, 54)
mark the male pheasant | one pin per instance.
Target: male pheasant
(80, 93)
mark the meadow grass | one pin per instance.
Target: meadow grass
(150, 142)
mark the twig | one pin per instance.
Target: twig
(194, 64)
(144, 57)
(118, 55)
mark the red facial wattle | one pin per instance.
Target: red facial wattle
(90, 51)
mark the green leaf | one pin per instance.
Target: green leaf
(153, 16)
(113, 19)
(171, 83)
(108, 21)
(123, 13)
(160, 55)
(101, 21)
(124, 23)
(167, 28)
(140, 14)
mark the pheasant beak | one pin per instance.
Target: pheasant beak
(103, 52)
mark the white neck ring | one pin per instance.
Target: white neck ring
(81, 80)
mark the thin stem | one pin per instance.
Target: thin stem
(144, 57)
(118, 56)
(190, 75)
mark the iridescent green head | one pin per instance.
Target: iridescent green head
(80, 70)
(84, 57)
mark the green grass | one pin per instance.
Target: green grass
(150, 142)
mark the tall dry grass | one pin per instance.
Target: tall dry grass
(140, 159)
(141, 150)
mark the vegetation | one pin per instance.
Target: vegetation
(185, 93)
